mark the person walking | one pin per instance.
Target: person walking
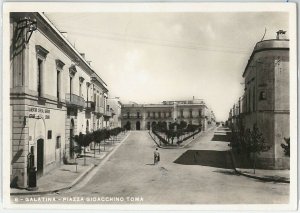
(156, 156)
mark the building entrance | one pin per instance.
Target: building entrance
(71, 139)
(40, 157)
(138, 125)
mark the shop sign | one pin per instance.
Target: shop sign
(38, 113)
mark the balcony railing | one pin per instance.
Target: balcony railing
(74, 100)
(90, 105)
(131, 116)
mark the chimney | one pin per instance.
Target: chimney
(65, 34)
(280, 34)
(82, 55)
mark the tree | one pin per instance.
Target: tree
(182, 125)
(83, 141)
(87, 139)
(256, 143)
(79, 140)
(286, 147)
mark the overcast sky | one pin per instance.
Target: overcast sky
(152, 57)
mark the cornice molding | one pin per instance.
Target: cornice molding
(41, 51)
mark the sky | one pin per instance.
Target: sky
(152, 57)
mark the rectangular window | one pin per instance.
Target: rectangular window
(39, 77)
(159, 114)
(191, 113)
(254, 108)
(71, 88)
(58, 85)
(199, 112)
(181, 113)
(138, 114)
(49, 134)
(249, 100)
(80, 89)
(58, 144)
(148, 114)
(128, 115)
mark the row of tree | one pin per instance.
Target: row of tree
(96, 137)
(175, 130)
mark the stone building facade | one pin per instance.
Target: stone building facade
(265, 102)
(144, 116)
(54, 95)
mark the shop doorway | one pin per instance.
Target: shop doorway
(138, 125)
(40, 157)
(71, 139)
(128, 126)
(148, 125)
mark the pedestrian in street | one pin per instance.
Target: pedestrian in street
(156, 156)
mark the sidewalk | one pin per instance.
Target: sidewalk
(66, 176)
(280, 176)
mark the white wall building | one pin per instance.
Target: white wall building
(54, 95)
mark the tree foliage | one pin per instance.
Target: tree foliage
(286, 147)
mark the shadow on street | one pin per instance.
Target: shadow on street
(218, 159)
(220, 138)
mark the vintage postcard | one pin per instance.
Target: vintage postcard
(150, 106)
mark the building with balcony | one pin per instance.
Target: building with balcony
(144, 116)
(114, 104)
(265, 102)
(54, 95)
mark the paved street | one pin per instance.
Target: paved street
(130, 173)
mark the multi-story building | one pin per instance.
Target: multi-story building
(144, 116)
(265, 102)
(54, 95)
(114, 104)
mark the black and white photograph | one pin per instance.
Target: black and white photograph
(150, 105)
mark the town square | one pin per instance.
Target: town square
(157, 108)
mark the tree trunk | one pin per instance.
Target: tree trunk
(84, 155)
(254, 162)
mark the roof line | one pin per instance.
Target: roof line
(69, 44)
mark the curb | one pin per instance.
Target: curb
(76, 181)
(154, 140)
(267, 179)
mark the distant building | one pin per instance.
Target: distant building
(54, 95)
(265, 102)
(144, 116)
(114, 104)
